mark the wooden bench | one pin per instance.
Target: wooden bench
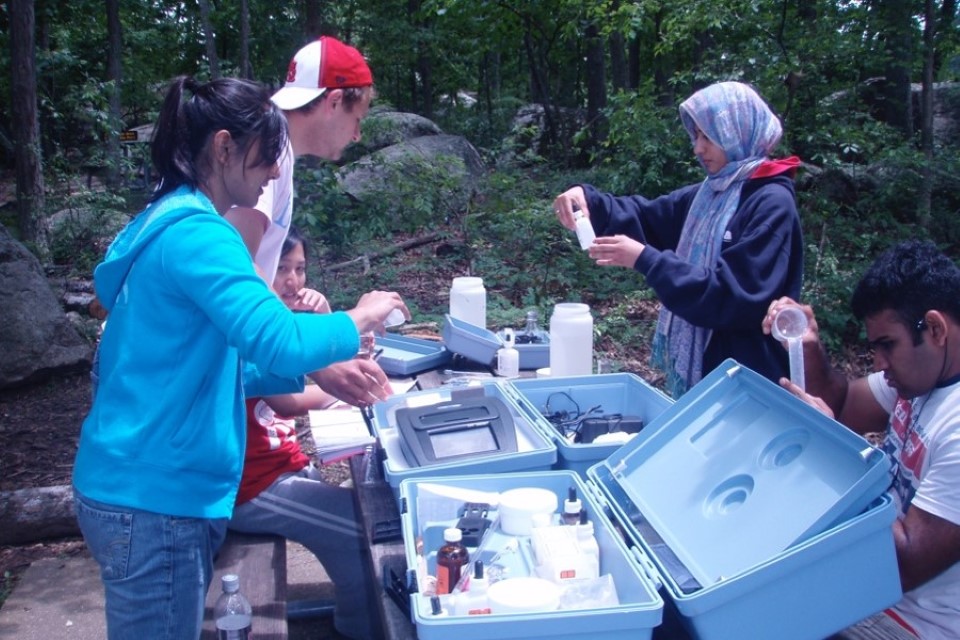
(261, 563)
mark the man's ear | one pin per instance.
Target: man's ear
(220, 145)
(334, 98)
(938, 325)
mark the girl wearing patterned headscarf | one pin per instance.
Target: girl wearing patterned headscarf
(715, 252)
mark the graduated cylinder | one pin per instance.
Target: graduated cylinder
(571, 340)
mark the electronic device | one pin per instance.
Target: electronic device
(454, 430)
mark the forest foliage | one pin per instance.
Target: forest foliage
(844, 76)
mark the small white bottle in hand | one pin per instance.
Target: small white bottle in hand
(584, 229)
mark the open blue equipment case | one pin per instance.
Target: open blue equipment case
(615, 399)
(756, 516)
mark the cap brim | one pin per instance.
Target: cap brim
(289, 98)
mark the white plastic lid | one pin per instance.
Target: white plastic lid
(452, 534)
(230, 583)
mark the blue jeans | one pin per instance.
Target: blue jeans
(155, 568)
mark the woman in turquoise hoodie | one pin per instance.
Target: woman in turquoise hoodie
(191, 327)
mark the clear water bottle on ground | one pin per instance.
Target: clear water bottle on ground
(232, 612)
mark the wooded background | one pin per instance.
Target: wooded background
(852, 81)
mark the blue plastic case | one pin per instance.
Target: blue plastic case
(405, 356)
(614, 393)
(752, 513)
(535, 450)
(481, 345)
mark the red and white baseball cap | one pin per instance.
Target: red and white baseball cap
(325, 63)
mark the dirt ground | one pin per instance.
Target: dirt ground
(39, 429)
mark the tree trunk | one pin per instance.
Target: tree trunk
(618, 60)
(245, 70)
(33, 514)
(926, 115)
(313, 22)
(31, 201)
(211, 41)
(896, 28)
(115, 78)
(596, 85)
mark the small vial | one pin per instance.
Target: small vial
(571, 508)
(451, 558)
(370, 464)
(436, 608)
(368, 344)
(474, 601)
(584, 229)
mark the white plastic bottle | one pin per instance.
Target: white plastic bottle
(474, 601)
(584, 230)
(468, 300)
(508, 358)
(232, 612)
(571, 340)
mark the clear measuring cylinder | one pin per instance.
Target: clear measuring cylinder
(789, 325)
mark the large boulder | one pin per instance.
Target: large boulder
(442, 162)
(37, 338)
(383, 128)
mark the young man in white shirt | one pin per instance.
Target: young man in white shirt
(909, 300)
(327, 93)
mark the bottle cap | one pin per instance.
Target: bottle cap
(452, 534)
(572, 507)
(478, 570)
(435, 606)
(230, 583)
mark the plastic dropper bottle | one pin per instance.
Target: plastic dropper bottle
(474, 601)
(451, 558)
(571, 508)
(508, 358)
(586, 538)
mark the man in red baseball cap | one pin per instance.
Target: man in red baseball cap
(327, 93)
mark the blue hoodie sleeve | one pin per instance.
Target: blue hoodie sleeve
(208, 262)
(257, 383)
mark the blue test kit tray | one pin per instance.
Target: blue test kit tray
(609, 395)
(405, 356)
(756, 511)
(638, 611)
(532, 449)
(481, 345)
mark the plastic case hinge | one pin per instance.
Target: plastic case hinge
(403, 506)
(532, 414)
(598, 496)
(647, 566)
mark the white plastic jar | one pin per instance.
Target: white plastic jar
(468, 300)
(571, 340)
